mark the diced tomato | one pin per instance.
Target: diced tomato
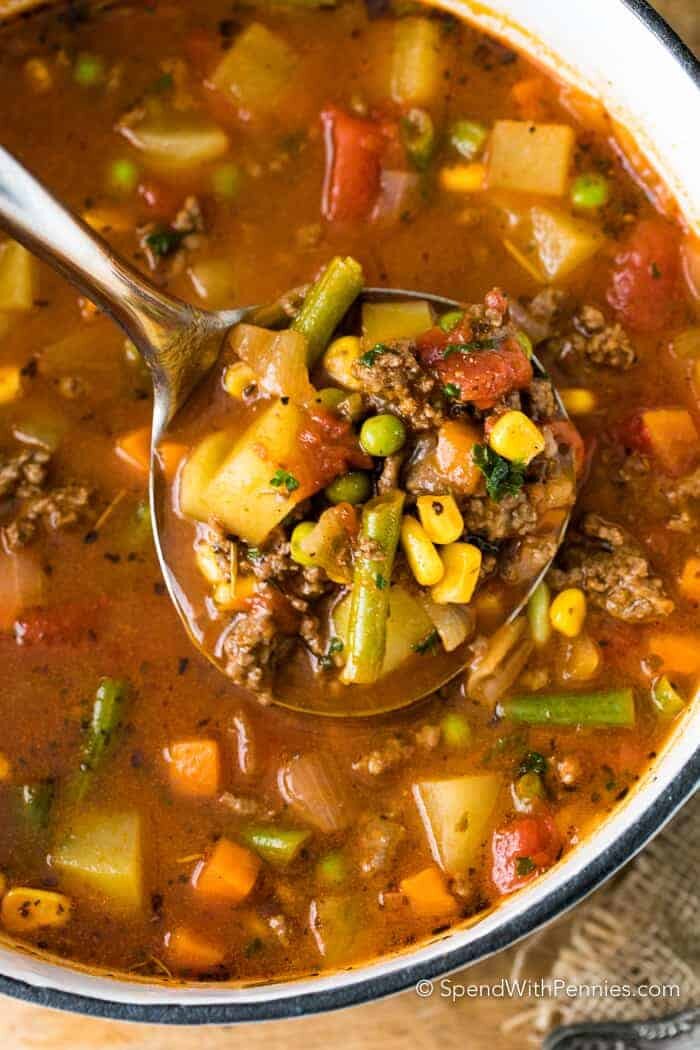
(667, 434)
(163, 201)
(482, 376)
(646, 282)
(332, 447)
(67, 624)
(353, 165)
(202, 50)
(522, 848)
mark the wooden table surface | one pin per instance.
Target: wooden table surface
(404, 1021)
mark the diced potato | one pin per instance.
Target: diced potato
(25, 909)
(200, 468)
(382, 322)
(416, 68)
(408, 626)
(563, 243)
(101, 853)
(240, 493)
(213, 281)
(337, 924)
(18, 277)
(455, 814)
(176, 141)
(257, 70)
(530, 158)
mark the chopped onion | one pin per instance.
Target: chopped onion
(328, 543)
(398, 191)
(21, 586)
(499, 661)
(277, 358)
(454, 623)
(312, 787)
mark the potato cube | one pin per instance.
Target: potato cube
(530, 158)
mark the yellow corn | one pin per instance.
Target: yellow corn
(339, 359)
(232, 597)
(10, 384)
(25, 909)
(109, 220)
(578, 400)
(5, 767)
(237, 378)
(38, 74)
(424, 561)
(568, 612)
(440, 517)
(463, 178)
(462, 563)
(515, 437)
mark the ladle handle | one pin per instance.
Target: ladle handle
(165, 330)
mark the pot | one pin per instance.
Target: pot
(622, 52)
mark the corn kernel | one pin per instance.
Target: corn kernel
(515, 437)
(25, 909)
(424, 561)
(463, 178)
(38, 75)
(10, 384)
(5, 767)
(578, 401)
(233, 597)
(689, 582)
(440, 517)
(462, 563)
(339, 359)
(109, 220)
(568, 612)
(238, 378)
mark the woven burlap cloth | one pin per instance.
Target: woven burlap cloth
(642, 929)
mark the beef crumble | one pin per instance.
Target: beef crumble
(23, 481)
(396, 380)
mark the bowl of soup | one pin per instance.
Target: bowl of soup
(187, 846)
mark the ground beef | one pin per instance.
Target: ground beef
(397, 749)
(613, 570)
(396, 381)
(274, 564)
(687, 488)
(390, 477)
(596, 342)
(255, 646)
(23, 480)
(511, 517)
(544, 315)
(24, 475)
(543, 403)
(522, 560)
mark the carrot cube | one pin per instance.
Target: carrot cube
(679, 653)
(228, 874)
(427, 893)
(672, 437)
(134, 448)
(689, 582)
(194, 767)
(170, 456)
(188, 951)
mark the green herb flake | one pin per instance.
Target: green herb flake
(533, 762)
(283, 479)
(164, 241)
(655, 271)
(381, 582)
(253, 554)
(163, 83)
(451, 390)
(370, 356)
(524, 866)
(428, 644)
(335, 646)
(469, 348)
(503, 478)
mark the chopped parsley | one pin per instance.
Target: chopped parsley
(655, 271)
(484, 545)
(335, 646)
(370, 356)
(451, 390)
(381, 582)
(253, 554)
(503, 478)
(165, 241)
(468, 348)
(283, 479)
(428, 644)
(524, 866)
(533, 762)
(163, 83)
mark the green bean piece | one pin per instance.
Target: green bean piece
(590, 191)
(456, 731)
(468, 137)
(369, 597)
(106, 719)
(449, 321)
(327, 302)
(332, 868)
(88, 70)
(35, 804)
(354, 487)
(277, 845)
(667, 700)
(613, 707)
(418, 137)
(538, 614)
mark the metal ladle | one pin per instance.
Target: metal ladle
(180, 343)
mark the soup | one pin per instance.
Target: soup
(158, 819)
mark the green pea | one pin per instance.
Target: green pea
(590, 191)
(226, 180)
(449, 321)
(382, 435)
(456, 731)
(331, 868)
(301, 532)
(330, 397)
(355, 487)
(468, 137)
(123, 175)
(525, 343)
(418, 137)
(88, 70)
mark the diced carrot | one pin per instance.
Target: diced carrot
(134, 448)
(170, 456)
(530, 95)
(228, 874)
(188, 951)
(427, 893)
(672, 437)
(680, 653)
(194, 767)
(456, 440)
(22, 582)
(689, 581)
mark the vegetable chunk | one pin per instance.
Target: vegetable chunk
(228, 874)
(101, 853)
(529, 157)
(18, 277)
(256, 71)
(455, 814)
